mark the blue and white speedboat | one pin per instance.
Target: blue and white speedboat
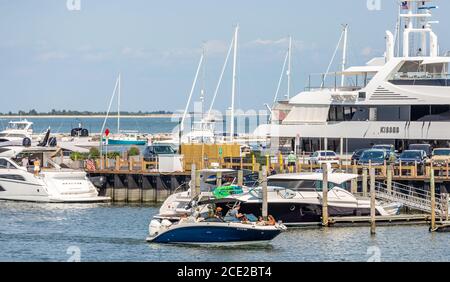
(211, 232)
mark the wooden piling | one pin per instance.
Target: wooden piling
(265, 206)
(219, 179)
(240, 180)
(325, 195)
(372, 202)
(192, 183)
(389, 179)
(364, 182)
(354, 185)
(433, 200)
(197, 183)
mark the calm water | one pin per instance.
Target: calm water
(243, 124)
(104, 232)
(64, 125)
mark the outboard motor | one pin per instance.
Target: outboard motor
(84, 132)
(75, 132)
(52, 142)
(44, 142)
(154, 227)
(26, 142)
(78, 131)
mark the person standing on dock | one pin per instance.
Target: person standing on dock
(292, 161)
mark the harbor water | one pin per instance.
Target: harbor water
(106, 232)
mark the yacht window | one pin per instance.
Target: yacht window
(6, 164)
(301, 185)
(12, 177)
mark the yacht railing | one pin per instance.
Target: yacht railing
(332, 81)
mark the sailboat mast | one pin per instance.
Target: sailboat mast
(344, 55)
(289, 68)
(190, 94)
(118, 107)
(233, 90)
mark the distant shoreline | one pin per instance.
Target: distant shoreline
(89, 116)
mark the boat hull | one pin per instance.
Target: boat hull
(127, 142)
(214, 234)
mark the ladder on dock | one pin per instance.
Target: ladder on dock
(411, 197)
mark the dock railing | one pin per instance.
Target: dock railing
(399, 170)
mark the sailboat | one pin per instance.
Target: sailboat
(122, 137)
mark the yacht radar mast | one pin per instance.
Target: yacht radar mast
(416, 16)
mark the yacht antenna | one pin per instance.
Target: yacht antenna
(233, 90)
(194, 83)
(344, 54)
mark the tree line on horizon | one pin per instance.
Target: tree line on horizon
(54, 112)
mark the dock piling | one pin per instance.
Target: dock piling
(219, 179)
(192, 183)
(433, 200)
(265, 208)
(372, 202)
(325, 195)
(364, 182)
(240, 180)
(389, 179)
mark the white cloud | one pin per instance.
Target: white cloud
(214, 47)
(52, 56)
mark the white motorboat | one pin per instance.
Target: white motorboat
(17, 131)
(51, 184)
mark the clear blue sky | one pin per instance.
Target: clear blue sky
(51, 57)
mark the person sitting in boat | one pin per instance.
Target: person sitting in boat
(261, 221)
(271, 220)
(218, 213)
(234, 213)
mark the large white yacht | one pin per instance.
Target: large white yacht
(51, 184)
(400, 98)
(17, 131)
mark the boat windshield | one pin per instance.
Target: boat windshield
(17, 126)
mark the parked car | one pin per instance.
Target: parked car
(386, 147)
(321, 157)
(412, 157)
(357, 155)
(424, 147)
(376, 157)
(441, 156)
(153, 151)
